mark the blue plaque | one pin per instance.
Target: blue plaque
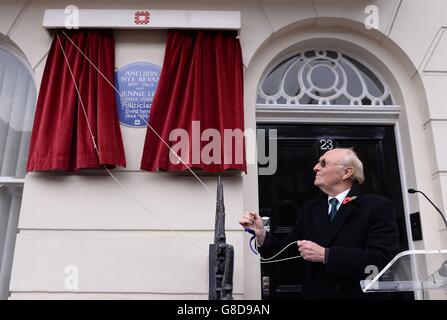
(136, 84)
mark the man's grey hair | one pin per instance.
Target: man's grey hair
(351, 159)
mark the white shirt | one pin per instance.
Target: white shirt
(340, 197)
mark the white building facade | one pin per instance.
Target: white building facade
(84, 236)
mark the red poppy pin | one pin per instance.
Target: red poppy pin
(349, 199)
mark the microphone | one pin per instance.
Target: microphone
(411, 190)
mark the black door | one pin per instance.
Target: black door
(282, 194)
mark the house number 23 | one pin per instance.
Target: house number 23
(326, 144)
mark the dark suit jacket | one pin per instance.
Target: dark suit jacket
(364, 232)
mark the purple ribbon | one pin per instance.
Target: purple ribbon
(251, 239)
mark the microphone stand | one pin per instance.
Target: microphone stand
(443, 269)
(437, 209)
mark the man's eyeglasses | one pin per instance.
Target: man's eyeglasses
(324, 164)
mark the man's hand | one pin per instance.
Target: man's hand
(253, 221)
(311, 251)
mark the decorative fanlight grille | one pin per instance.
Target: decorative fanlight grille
(323, 77)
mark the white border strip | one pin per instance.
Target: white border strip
(11, 180)
(327, 114)
(144, 19)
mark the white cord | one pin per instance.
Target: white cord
(263, 260)
(105, 167)
(279, 260)
(267, 260)
(79, 96)
(145, 209)
(164, 142)
(156, 133)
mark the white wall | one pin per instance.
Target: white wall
(89, 221)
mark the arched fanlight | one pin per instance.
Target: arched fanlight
(323, 77)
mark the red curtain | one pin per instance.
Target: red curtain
(61, 138)
(200, 88)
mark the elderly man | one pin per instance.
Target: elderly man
(338, 235)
